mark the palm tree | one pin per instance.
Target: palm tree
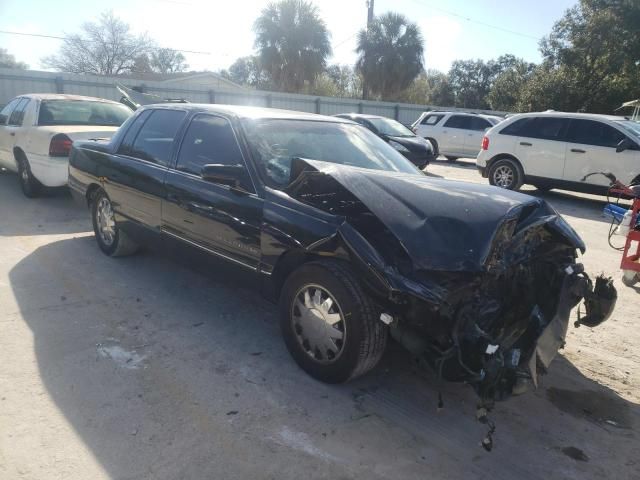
(390, 54)
(292, 42)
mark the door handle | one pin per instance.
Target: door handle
(13, 134)
(526, 144)
(577, 150)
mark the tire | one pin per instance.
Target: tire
(436, 150)
(118, 243)
(506, 173)
(29, 184)
(451, 159)
(364, 336)
(630, 278)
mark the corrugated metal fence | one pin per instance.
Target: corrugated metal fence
(17, 82)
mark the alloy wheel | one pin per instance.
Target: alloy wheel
(503, 176)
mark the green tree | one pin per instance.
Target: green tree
(429, 88)
(293, 43)
(247, 71)
(9, 61)
(348, 82)
(595, 49)
(508, 85)
(167, 60)
(390, 55)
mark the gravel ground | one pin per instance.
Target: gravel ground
(149, 367)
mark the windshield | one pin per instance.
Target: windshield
(82, 112)
(275, 143)
(630, 126)
(389, 127)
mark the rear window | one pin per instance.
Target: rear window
(431, 119)
(82, 112)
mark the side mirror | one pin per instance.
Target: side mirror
(625, 144)
(224, 174)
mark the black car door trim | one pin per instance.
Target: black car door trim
(209, 250)
(219, 185)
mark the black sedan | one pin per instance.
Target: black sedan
(351, 239)
(417, 149)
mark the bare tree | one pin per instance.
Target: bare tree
(103, 48)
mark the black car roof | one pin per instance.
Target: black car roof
(239, 111)
(360, 115)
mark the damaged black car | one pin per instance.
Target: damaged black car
(353, 241)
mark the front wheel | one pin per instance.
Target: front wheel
(111, 239)
(330, 325)
(505, 173)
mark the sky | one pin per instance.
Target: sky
(222, 30)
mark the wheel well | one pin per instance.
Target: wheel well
(503, 156)
(18, 153)
(636, 180)
(91, 192)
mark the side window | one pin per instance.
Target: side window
(545, 128)
(431, 119)
(155, 139)
(18, 114)
(130, 135)
(518, 127)
(479, 124)
(209, 140)
(590, 132)
(459, 121)
(6, 111)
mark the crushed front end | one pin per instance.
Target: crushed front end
(500, 328)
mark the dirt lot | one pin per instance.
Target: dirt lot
(148, 368)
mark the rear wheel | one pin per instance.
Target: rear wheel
(506, 173)
(330, 325)
(30, 186)
(111, 239)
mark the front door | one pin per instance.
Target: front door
(6, 138)
(220, 219)
(591, 147)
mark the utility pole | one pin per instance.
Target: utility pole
(365, 93)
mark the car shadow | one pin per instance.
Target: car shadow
(166, 372)
(23, 216)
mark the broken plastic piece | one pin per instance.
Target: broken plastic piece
(598, 303)
(386, 318)
(491, 349)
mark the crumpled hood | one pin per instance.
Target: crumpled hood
(442, 224)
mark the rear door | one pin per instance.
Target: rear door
(473, 140)
(541, 146)
(452, 138)
(222, 220)
(11, 132)
(591, 147)
(134, 178)
(6, 138)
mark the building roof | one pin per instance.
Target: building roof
(185, 77)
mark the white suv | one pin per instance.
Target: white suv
(454, 134)
(557, 150)
(36, 132)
